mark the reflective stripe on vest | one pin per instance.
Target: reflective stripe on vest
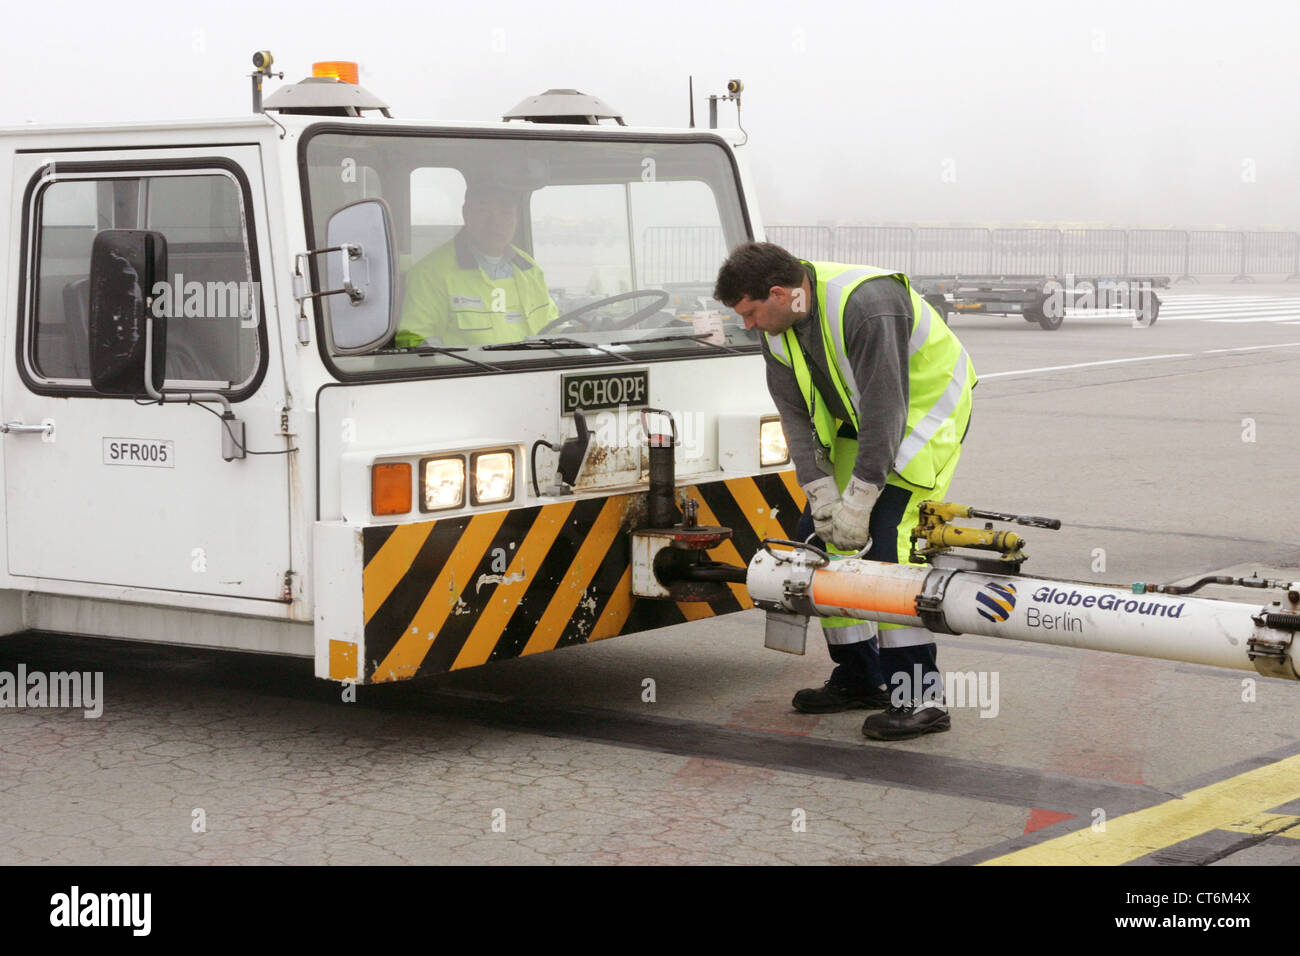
(940, 372)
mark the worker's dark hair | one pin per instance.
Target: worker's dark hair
(752, 269)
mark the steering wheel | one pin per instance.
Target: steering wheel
(661, 300)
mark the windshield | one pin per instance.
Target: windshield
(515, 252)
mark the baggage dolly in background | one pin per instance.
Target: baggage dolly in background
(1041, 299)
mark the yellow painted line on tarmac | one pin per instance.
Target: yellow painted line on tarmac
(1220, 806)
(1268, 825)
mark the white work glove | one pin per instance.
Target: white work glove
(823, 495)
(851, 518)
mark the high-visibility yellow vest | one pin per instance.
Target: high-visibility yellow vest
(940, 375)
(449, 298)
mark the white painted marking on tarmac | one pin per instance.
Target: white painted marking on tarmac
(1267, 319)
(1249, 305)
(1232, 309)
(1138, 358)
(1058, 368)
(1251, 348)
(1241, 313)
(1233, 305)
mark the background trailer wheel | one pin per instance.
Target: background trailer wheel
(1149, 308)
(1045, 317)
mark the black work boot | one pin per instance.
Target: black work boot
(832, 698)
(910, 720)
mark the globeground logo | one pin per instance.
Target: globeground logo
(996, 601)
(1119, 601)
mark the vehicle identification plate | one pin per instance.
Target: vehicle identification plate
(625, 388)
(147, 452)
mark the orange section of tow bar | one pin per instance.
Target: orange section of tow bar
(886, 595)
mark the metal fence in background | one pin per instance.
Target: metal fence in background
(967, 250)
(693, 253)
(1270, 252)
(1093, 251)
(1025, 251)
(1214, 253)
(670, 254)
(886, 246)
(819, 241)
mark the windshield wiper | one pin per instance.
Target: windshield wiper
(453, 351)
(703, 338)
(552, 343)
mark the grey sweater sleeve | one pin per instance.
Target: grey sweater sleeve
(878, 324)
(794, 420)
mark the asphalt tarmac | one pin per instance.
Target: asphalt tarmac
(1167, 452)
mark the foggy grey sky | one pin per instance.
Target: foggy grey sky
(1103, 113)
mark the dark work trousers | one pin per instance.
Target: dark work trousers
(864, 664)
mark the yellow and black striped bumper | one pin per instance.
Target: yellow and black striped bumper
(463, 591)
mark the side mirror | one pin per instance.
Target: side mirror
(125, 264)
(360, 277)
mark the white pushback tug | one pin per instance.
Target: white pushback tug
(212, 437)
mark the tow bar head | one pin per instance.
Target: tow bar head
(669, 558)
(778, 578)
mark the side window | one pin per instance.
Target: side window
(69, 219)
(212, 325)
(437, 195)
(211, 300)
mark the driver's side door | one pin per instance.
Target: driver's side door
(132, 494)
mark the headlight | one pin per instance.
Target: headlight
(494, 476)
(772, 449)
(442, 481)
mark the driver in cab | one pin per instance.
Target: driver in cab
(479, 288)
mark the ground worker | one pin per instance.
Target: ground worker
(478, 288)
(887, 388)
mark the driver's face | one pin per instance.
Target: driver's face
(772, 315)
(491, 221)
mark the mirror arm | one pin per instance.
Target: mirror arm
(232, 429)
(353, 252)
(300, 293)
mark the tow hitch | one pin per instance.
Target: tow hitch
(669, 555)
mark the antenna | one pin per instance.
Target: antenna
(691, 82)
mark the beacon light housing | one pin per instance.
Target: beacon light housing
(343, 70)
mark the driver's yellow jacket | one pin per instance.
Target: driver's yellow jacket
(451, 301)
